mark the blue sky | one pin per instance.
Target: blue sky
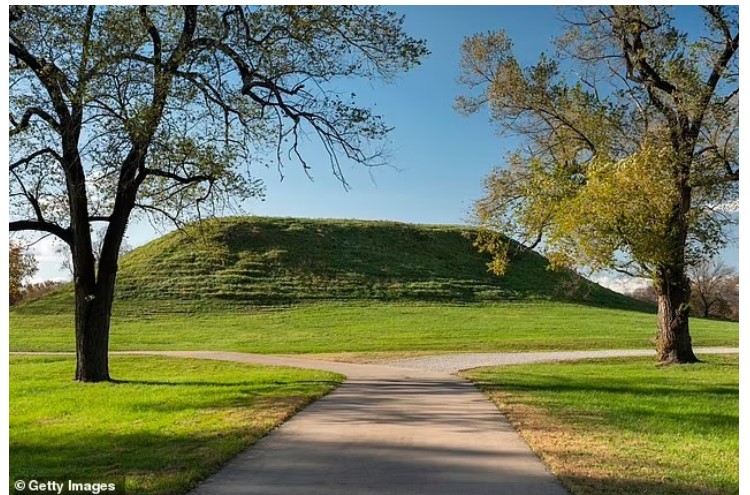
(437, 157)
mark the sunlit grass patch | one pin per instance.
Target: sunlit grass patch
(165, 425)
(626, 426)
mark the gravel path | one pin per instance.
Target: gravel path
(453, 363)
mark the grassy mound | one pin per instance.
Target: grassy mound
(252, 261)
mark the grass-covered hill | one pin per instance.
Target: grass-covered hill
(253, 261)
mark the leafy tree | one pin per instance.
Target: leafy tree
(629, 147)
(124, 110)
(22, 265)
(714, 286)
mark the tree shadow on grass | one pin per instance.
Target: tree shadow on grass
(270, 385)
(634, 406)
(170, 464)
(582, 485)
(146, 459)
(665, 391)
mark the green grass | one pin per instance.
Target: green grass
(242, 263)
(374, 328)
(168, 424)
(626, 426)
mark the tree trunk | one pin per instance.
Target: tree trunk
(673, 343)
(93, 312)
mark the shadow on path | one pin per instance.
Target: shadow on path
(394, 436)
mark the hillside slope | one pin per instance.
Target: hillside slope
(254, 261)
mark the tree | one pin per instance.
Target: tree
(713, 286)
(630, 137)
(22, 265)
(123, 110)
(645, 294)
(729, 304)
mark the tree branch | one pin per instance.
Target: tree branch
(33, 200)
(717, 72)
(51, 77)
(26, 119)
(177, 178)
(155, 38)
(31, 157)
(39, 226)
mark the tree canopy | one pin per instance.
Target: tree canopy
(630, 143)
(205, 94)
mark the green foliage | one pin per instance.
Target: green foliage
(624, 426)
(165, 426)
(629, 135)
(624, 206)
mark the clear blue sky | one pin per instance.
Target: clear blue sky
(437, 157)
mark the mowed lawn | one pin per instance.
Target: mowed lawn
(167, 424)
(626, 426)
(371, 327)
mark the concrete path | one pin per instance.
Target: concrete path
(409, 427)
(386, 430)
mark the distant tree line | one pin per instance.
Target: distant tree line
(715, 291)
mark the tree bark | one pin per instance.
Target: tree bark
(93, 315)
(94, 312)
(673, 342)
(92, 338)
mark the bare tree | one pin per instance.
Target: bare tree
(714, 285)
(645, 294)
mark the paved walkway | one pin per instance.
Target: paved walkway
(409, 427)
